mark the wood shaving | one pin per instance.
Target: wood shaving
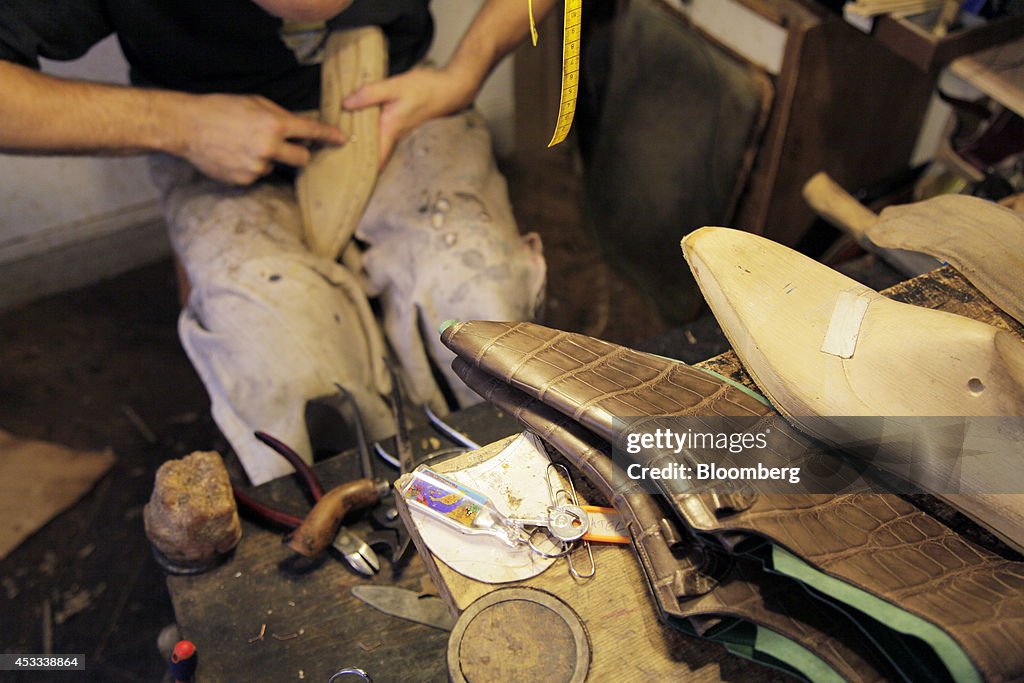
(49, 563)
(139, 424)
(287, 636)
(75, 601)
(263, 631)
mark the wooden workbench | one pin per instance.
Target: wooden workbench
(626, 640)
(314, 626)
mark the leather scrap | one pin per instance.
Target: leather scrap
(38, 481)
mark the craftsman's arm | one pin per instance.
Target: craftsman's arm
(411, 98)
(231, 138)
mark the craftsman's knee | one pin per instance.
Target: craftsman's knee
(442, 239)
(215, 227)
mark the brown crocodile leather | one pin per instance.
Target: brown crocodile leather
(877, 542)
(686, 582)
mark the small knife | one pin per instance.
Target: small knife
(429, 610)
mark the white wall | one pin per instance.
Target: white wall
(55, 212)
(38, 195)
(759, 40)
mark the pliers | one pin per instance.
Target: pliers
(464, 443)
(322, 526)
(392, 532)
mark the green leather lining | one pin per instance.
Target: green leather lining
(945, 648)
(733, 383)
(765, 646)
(795, 655)
(745, 639)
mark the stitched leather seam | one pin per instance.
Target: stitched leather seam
(616, 353)
(533, 353)
(493, 341)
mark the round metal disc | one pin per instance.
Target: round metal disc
(568, 522)
(518, 634)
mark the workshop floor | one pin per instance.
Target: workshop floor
(102, 367)
(72, 369)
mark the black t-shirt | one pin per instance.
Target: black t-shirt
(201, 46)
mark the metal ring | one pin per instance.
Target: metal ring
(497, 604)
(351, 672)
(574, 511)
(566, 547)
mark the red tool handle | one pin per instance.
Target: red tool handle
(265, 512)
(304, 470)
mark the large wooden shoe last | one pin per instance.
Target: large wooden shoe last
(819, 344)
(336, 184)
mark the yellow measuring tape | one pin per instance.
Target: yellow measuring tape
(570, 66)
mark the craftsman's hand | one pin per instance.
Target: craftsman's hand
(237, 139)
(409, 99)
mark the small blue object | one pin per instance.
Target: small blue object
(973, 6)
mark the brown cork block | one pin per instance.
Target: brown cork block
(191, 518)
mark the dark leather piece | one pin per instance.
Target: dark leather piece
(876, 542)
(690, 580)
